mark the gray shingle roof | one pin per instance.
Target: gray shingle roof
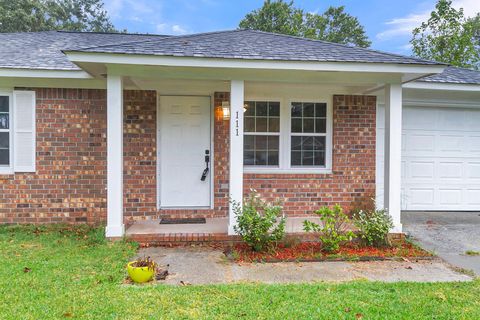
(455, 75)
(251, 44)
(43, 50)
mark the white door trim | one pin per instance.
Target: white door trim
(159, 158)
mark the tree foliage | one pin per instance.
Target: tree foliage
(333, 25)
(447, 37)
(41, 15)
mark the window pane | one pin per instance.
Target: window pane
(272, 143)
(274, 109)
(296, 158)
(261, 142)
(249, 142)
(296, 143)
(261, 109)
(250, 108)
(249, 124)
(261, 158)
(296, 125)
(296, 109)
(320, 110)
(307, 158)
(249, 158)
(308, 110)
(319, 143)
(320, 125)
(274, 125)
(273, 158)
(308, 125)
(308, 151)
(261, 125)
(264, 150)
(4, 124)
(4, 104)
(4, 140)
(319, 158)
(4, 157)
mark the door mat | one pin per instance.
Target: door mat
(183, 221)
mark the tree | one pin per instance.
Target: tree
(446, 37)
(333, 25)
(41, 15)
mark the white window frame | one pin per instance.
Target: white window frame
(3, 168)
(285, 139)
(278, 134)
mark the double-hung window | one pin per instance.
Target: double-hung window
(300, 144)
(17, 132)
(261, 133)
(5, 132)
(308, 134)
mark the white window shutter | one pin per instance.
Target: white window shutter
(24, 131)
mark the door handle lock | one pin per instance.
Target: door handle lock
(207, 163)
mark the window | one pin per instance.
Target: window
(5, 131)
(17, 132)
(308, 134)
(261, 133)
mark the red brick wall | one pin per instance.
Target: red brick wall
(353, 175)
(69, 184)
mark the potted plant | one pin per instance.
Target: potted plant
(142, 270)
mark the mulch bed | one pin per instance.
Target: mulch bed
(311, 251)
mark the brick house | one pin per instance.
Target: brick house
(120, 129)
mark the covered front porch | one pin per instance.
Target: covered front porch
(200, 116)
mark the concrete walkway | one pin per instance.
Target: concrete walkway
(201, 265)
(448, 234)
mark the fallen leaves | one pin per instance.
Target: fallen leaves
(27, 270)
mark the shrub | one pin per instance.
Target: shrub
(333, 229)
(374, 226)
(260, 224)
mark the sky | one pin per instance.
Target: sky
(388, 23)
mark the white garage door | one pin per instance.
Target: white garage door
(440, 158)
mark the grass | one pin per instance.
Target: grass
(61, 272)
(472, 253)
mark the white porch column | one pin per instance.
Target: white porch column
(236, 148)
(115, 227)
(393, 152)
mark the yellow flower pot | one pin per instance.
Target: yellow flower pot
(140, 274)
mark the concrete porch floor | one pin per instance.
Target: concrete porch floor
(212, 226)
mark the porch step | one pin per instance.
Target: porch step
(159, 239)
(163, 239)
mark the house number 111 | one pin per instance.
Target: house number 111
(236, 123)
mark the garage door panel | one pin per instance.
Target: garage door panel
(419, 170)
(473, 142)
(472, 197)
(451, 143)
(473, 170)
(421, 119)
(450, 170)
(419, 196)
(449, 196)
(440, 159)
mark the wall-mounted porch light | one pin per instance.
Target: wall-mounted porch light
(226, 110)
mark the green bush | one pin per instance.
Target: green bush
(333, 229)
(260, 224)
(374, 226)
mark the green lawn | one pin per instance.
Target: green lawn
(75, 273)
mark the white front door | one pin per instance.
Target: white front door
(184, 139)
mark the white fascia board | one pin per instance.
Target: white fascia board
(442, 86)
(43, 73)
(108, 58)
